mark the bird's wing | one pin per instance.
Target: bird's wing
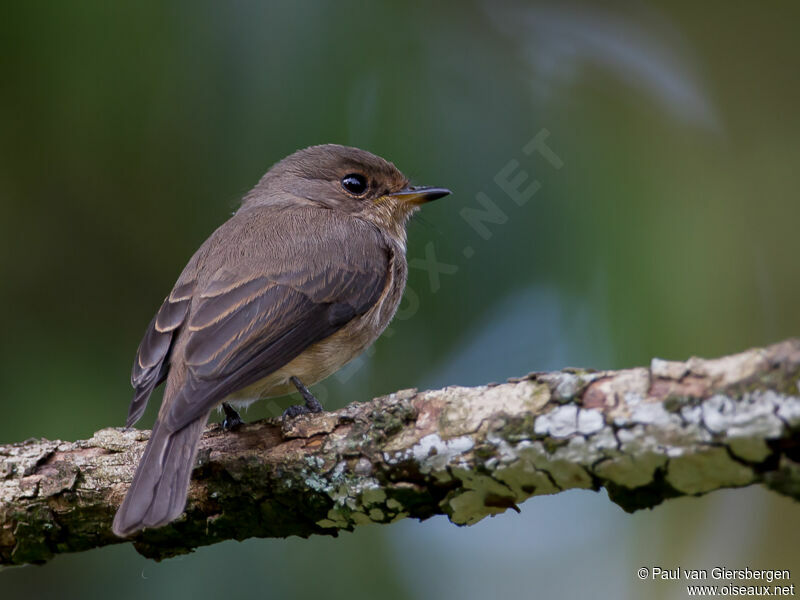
(152, 358)
(243, 325)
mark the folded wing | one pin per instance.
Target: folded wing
(242, 329)
(237, 316)
(152, 358)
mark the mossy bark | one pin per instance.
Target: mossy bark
(645, 434)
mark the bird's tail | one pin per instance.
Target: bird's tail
(158, 492)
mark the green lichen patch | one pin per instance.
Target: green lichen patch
(393, 418)
(785, 479)
(630, 471)
(646, 496)
(707, 470)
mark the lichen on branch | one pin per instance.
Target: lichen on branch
(644, 434)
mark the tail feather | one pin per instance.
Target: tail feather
(158, 492)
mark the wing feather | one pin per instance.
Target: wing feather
(239, 336)
(152, 358)
(263, 288)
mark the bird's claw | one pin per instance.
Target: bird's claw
(232, 419)
(312, 405)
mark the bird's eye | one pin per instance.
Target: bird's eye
(355, 184)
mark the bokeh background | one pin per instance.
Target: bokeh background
(128, 133)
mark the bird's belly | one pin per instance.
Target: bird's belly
(312, 365)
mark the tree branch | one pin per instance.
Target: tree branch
(677, 428)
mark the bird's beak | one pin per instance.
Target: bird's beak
(420, 194)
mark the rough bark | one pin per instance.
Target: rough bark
(644, 434)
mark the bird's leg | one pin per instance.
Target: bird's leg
(232, 419)
(312, 404)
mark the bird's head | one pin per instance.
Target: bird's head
(344, 179)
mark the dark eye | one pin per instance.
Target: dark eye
(355, 184)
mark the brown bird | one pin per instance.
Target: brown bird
(305, 275)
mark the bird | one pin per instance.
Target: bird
(302, 278)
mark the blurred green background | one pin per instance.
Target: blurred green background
(128, 133)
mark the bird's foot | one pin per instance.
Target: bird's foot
(312, 405)
(294, 410)
(232, 419)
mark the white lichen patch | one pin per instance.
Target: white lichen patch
(658, 430)
(503, 451)
(363, 467)
(729, 369)
(433, 454)
(705, 471)
(635, 441)
(789, 409)
(560, 422)
(568, 420)
(668, 369)
(629, 385)
(577, 450)
(314, 462)
(652, 414)
(528, 464)
(467, 408)
(565, 386)
(751, 416)
(590, 421)
(316, 482)
(603, 441)
(357, 499)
